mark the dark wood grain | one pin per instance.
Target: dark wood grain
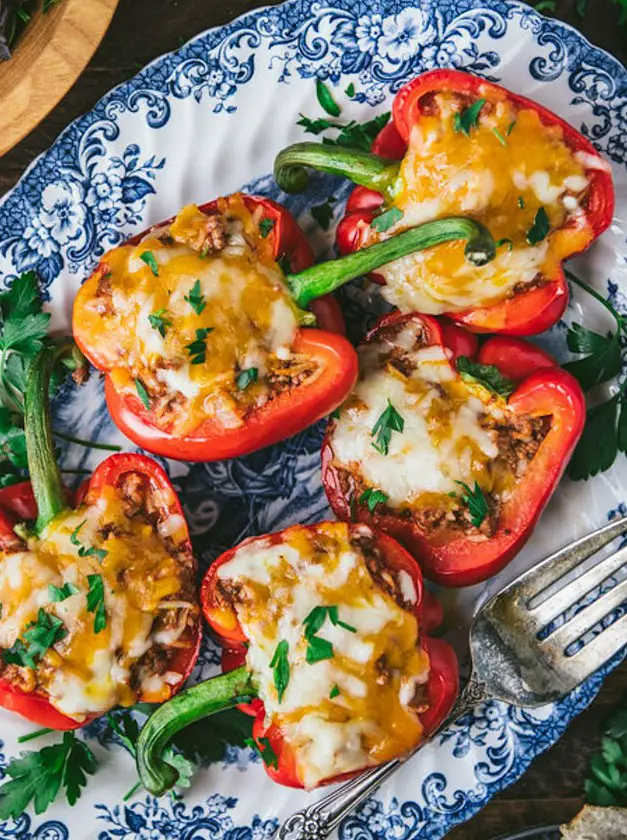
(551, 791)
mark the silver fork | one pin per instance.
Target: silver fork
(512, 660)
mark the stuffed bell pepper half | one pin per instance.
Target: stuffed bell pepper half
(202, 330)
(460, 144)
(324, 628)
(454, 457)
(98, 598)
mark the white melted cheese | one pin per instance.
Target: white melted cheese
(84, 673)
(292, 584)
(414, 463)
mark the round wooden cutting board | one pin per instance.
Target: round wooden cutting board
(49, 57)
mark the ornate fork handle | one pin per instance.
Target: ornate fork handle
(317, 821)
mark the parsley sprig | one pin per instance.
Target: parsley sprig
(352, 134)
(281, 668)
(607, 783)
(474, 500)
(197, 349)
(159, 321)
(487, 375)
(605, 433)
(263, 748)
(389, 421)
(40, 635)
(39, 776)
(372, 497)
(196, 299)
(96, 602)
(468, 118)
(319, 649)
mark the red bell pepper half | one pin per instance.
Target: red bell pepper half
(239, 684)
(467, 556)
(43, 499)
(526, 311)
(290, 409)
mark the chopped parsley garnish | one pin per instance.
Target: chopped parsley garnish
(540, 227)
(285, 264)
(350, 90)
(501, 242)
(325, 98)
(357, 135)
(196, 299)
(61, 593)
(149, 258)
(246, 377)
(197, 349)
(335, 692)
(39, 776)
(281, 666)
(142, 393)
(475, 501)
(499, 137)
(373, 497)
(521, 202)
(385, 220)
(100, 553)
(159, 321)
(266, 226)
(323, 213)
(389, 421)
(468, 118)
(318, 650)
(511, 127)
(487, 375)
(263, 748)
(39, 636)
(96, 602)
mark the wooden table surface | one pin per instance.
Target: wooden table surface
(551, 791)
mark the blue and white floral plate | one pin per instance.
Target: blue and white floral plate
(207, 120)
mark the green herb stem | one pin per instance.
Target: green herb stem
(38, 733)
(364, 168)
(88, 444)
(622, 323)
(44, 471)
(325, 277)
(198, 702)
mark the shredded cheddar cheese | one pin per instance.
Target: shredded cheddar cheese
(502, 173)
(377, 664)
(91, 670)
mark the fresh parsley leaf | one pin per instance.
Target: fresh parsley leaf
(281, 666)
(74, 535)
(598, 445)
(142, 393)
(607, 783)
(314, 126)
(266, 226)
(12, 439)
(197, 349)
(149, 258)
(61, 593)
(511, 127)
(318, 649)
(352, 134)
(385, 220)
(43, 633)
(373, 497)
(285, 264)
(545, 6)
(325, 98)
(314, 620)
(507, 242)
(38, 776)
(335, 692)
(475, 501)
(603, 362)
(196, 299)
(206, 744)
(487, 375)
(96, 602)
(160, 322)
(540, 227)
(389, 421)
(246, 377)
(468, 118)
(499, 137)
(323, 213)
(18, 654)
(350, 90)
(263, 748)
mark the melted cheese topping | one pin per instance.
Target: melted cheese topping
(444, 439)
(444, 173)
(249, 318)
(89, 672)
(376, 668)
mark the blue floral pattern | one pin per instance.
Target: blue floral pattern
(111, 172)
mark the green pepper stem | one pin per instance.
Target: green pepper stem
(325, 277)
(198, 702)
(376, 173)
(44, 471)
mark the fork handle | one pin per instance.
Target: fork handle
(317, 821)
